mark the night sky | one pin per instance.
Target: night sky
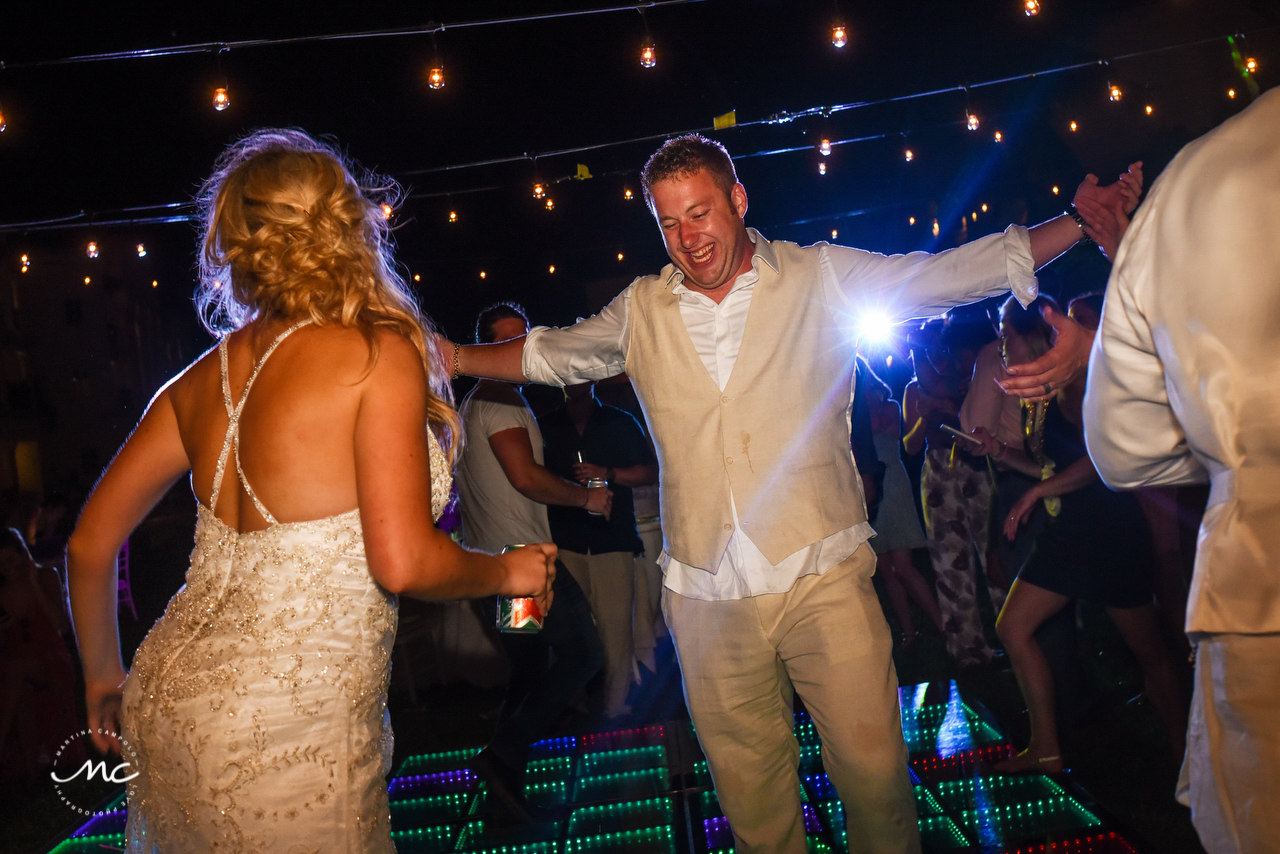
(104, 138)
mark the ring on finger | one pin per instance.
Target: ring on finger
(1048, 388)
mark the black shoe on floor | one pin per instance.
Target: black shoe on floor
(507, 807)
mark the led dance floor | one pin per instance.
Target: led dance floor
(647, 791)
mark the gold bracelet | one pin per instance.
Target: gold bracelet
(456, 348)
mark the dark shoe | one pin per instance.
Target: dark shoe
(507, 807)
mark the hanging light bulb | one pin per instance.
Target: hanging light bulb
(908, 155)
(539, 191)
(1149, 109)
(1251, 65)
(824, 148)
(26, 262)
(972, 122)
(1115, 92)
(822, 168)
(1231, 93)
(1055, 189)
(911, 220)
(984, 207)
(551, 269)
(87, 280)
(483, 274)
(221, 100)
(834, 233)
(1074, 127)
(91, 250)
(619, 256)
(648, 56)
(2, 122)
(386, 209)
(627, 195)
(154, 283)
(974, 216)
(935, 228)
(550, 204)
(435, 77)
(142, 251)
(999, 137)
(839, 37)
(453, 216)
(1031, 7)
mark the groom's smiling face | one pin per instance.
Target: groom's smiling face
(703, 230)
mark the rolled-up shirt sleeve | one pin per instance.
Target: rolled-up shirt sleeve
(1133, 436)
(594, 348)
(921, 284)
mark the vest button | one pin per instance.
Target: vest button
(724, 398)
(728, 527)
(729, 460)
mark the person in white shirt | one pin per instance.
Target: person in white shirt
(1184, 387)
(742, 356)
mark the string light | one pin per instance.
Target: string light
(1114, 92)
(3, 125)
(551, 269)
(1149, 109)
(999, 137)
(26, 261)
(1074, 127)
(908, 155)
(550, 204)
(824, 148)
(453, 216)
(417, 277)
(627, 195)
(154, 283)
(648, 56)
(539, 191)
(142, 251)
(435, 77)
(1031, 7)
(839, 37)
(984, 207)
(91, 250)
(619, 256)
(972, 122)
(834, 234)
(483, 274)
(911, 220)
(221, 100)
(1231, 93)
(935, 228)
(822, 168)
(1055, 189)
(86, 280)
(974, 215)
(1250, 65)
(386, 210)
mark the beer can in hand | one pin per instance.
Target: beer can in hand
(518, 614)
(596, 483)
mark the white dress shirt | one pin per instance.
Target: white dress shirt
(855, 282)
(1184, 378)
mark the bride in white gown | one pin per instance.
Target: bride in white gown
(319, 436)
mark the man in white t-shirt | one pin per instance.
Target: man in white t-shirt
(505, 491)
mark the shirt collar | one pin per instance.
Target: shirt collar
(762, 251)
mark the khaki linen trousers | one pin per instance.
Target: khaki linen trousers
(828, 638)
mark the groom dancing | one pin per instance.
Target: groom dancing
(742, 355)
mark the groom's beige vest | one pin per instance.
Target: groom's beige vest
(777, 436)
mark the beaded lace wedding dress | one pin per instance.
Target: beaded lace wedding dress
(256, 708)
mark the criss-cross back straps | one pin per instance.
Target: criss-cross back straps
(233, 421)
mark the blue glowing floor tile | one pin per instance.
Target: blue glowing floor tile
(426, 785)
(103, 824)
(430, 763)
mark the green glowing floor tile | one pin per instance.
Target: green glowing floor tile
(701, 774)
(649, 840)
(615, 761)
(426, 840)
(537, 840)
(554, 793)
(817, 846)
(1032, 819)
(807, 734)
(926, 804)
(425, 812)
(959, 795)
(710, 805)
(431, 763)
(622, 786)
(546, 770)
(939, 833)
(810, 759)
(91, 844)
(615, 818)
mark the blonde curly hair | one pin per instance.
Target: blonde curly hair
(288, 232)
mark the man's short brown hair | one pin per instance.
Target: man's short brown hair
(684, 156)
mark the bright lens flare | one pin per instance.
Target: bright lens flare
(875, 327)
